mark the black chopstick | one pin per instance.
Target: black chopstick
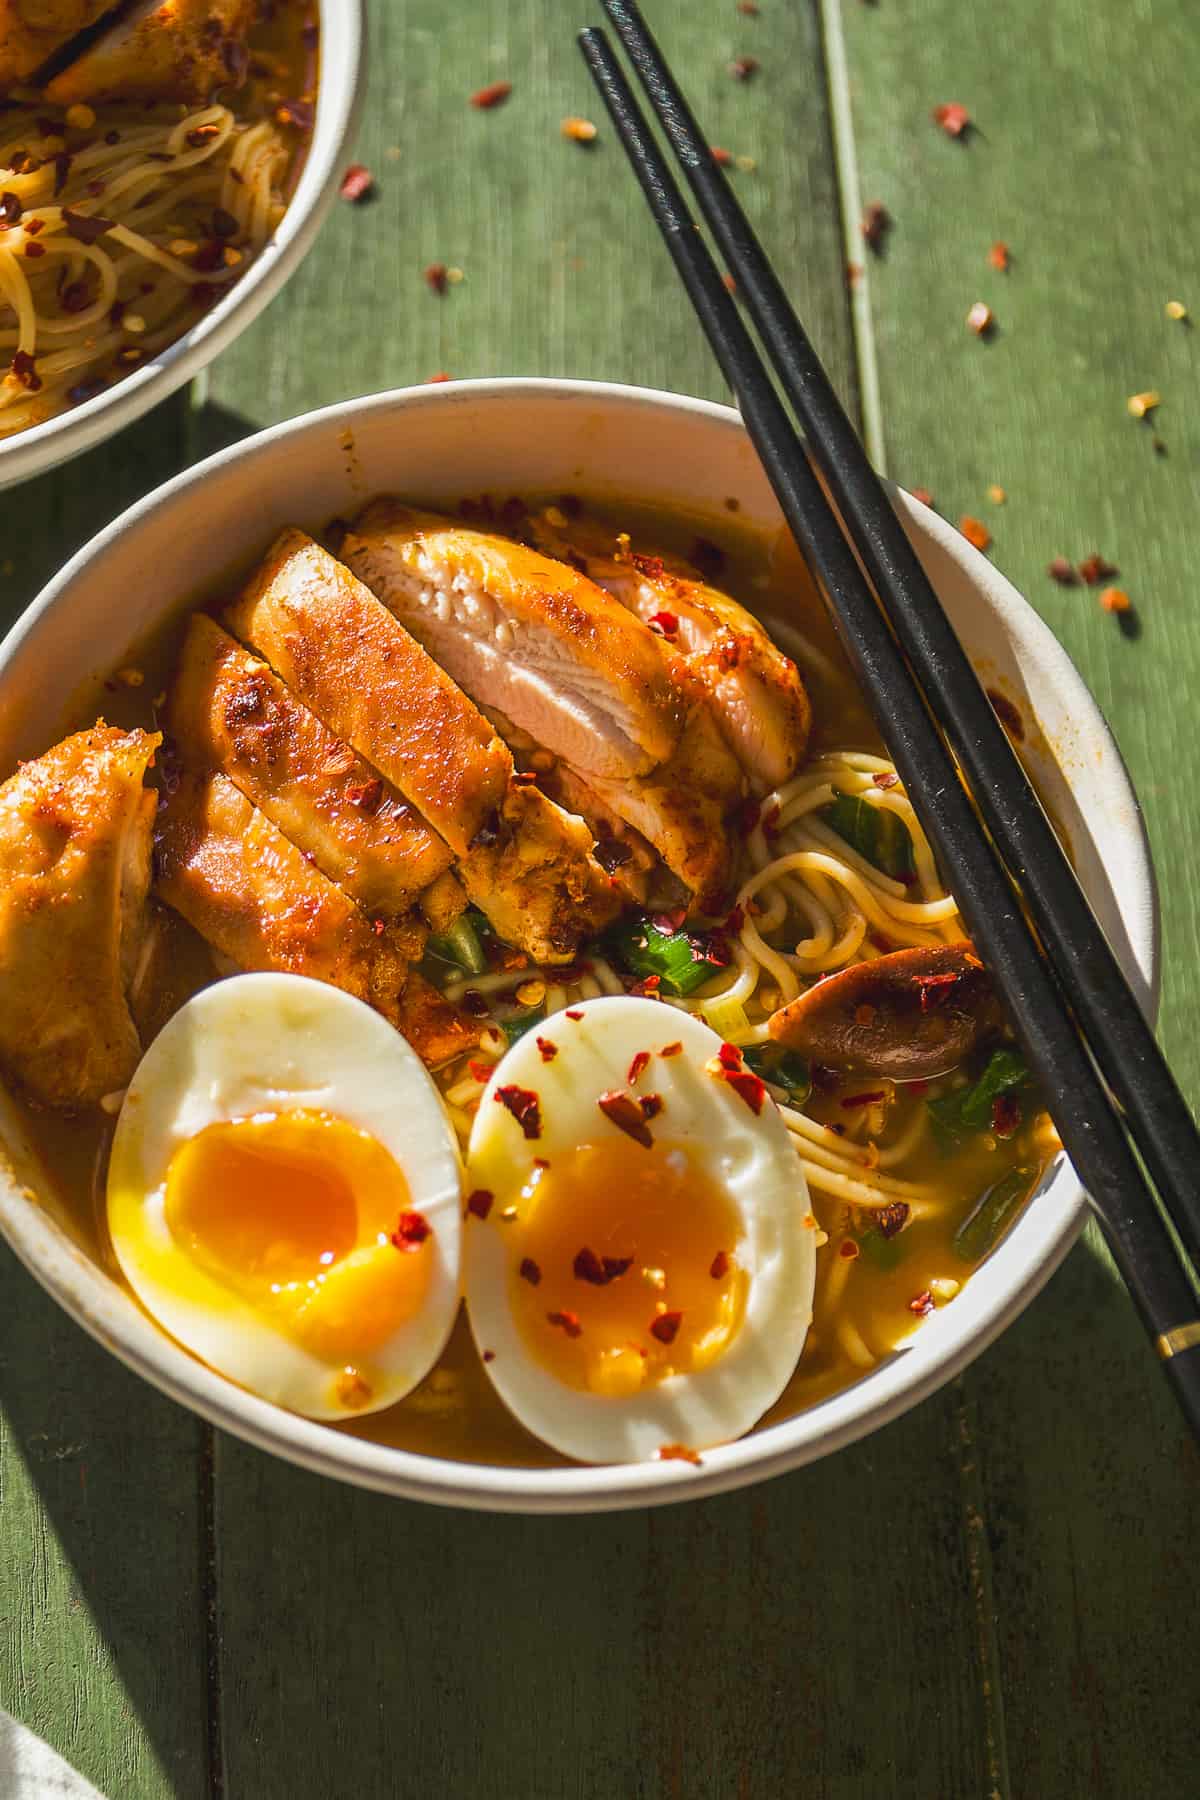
(1119, 1035)
(1091, 1131)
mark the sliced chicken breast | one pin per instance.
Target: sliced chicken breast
(32, 30)
(523, 633)
(757, 696)
(75, 830)
(181, 49)
(370, 682)
(229, 712)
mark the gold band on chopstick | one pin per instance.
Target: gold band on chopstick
(1184, 1337)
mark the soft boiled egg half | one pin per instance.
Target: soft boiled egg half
(284, 1195)
(639, 1255)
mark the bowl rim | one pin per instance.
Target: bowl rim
(339, 102)
(890, 1389)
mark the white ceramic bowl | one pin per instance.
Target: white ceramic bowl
(339, 92)
(510, 436)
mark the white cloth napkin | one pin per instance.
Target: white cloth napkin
(31, 1770)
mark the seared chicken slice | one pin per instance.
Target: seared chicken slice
(525, 634)
(228, 712)
(259, 901)
(756, 693)
(360, 672)
(32, 30)
(75, 832)
(176, 49)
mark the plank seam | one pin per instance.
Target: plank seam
(845, 163)
(210, 1598)
(981, 1586)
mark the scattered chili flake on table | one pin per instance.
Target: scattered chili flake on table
(975, 531)
(681, 1452)
(743, 67)
(953, 118)
(875, 224)
(442, 375)
(1095, 569)
(494, 94)
(1063, 572)
(729, 283)
(923, 495)
(436, 278)
(579, 131)
(996, 494)
(1115, 600)
(665, 1326)
(480, 1202)
(412, 1229)
(981, 319)
(358, 184)
(1175, 309)
(749, 8)
(715, 151)
(1139, 405)
(999, 256)
(566, 1321)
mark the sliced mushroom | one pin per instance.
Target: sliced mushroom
(909, 1015)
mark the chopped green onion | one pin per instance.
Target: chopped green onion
(727, 1016)
(968, 1110)
(884, 1252)
(644, 950)
(782, 1068)
(520, 1023)
(460, 946)
(876, 832)
(992, 1213)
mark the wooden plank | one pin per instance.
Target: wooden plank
(102, 1627)
(1089, 1483)
(709, 1650)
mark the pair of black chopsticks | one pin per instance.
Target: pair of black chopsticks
(1079, 1023)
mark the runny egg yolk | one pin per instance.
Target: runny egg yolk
(307, 1218)
(623, 1266)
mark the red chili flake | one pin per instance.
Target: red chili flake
(975, 531)
(431, 380)
(665, 1326)
(529, 1271)
(651, 1105)
(365, 794)
(437, 278)
(749, 1088)
(358, 184)
(875, 224)
(1008, 714)
(998, 256)
(743, 67)
(522, 1103)
(953, 118)
(1115, 600)
(411, 1231)
(981, 319)
(867, 1099)
(886, 778)
(86, 228)
(648, 986)
(749, 8)
(572, 1014)
(637, 1067)
(35, 250)
(599, 1271)
(379, 926)
(1095, 569)
(480, 1071)
(495, 94)
(546, 1049)
(719, 156)
(473, 1002)
(566, 1321)
(664, 624)
(718, 1268)
(729, 283)
(1006, 1115)
(626, 1115)
(935, 988)
(893, 1218)
(1063, 572)
(923, 495)
(729, 1056)
(848, 1248)
(25, 370)
(922, 1304)
(733, 924)
(489, 1356)
(675, 1049)
(299, 114)
(480, 1202)
(204, 134)
(10, 210)
(680, 1452)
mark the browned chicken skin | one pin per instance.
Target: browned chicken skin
(74, 872)
(228, 712)
(181, 49)
(32, 30)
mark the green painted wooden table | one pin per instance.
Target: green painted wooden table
(996, 1595)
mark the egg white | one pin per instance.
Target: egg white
(271, 1043)
(750, 1156)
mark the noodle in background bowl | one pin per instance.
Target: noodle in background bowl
(41, 447)
(610, 443)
